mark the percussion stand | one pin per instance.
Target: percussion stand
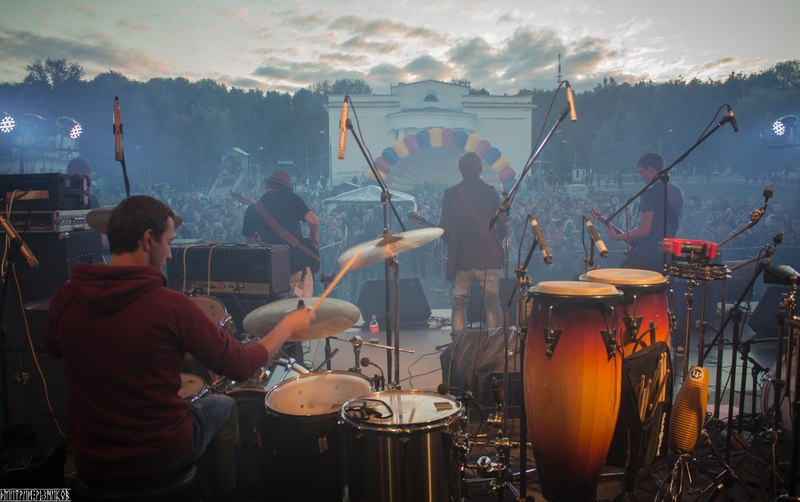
(326, 280)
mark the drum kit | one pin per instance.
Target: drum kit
(598, 374)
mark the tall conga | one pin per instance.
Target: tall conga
(572, 384)
(645, 310)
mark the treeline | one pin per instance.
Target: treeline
(176, 130)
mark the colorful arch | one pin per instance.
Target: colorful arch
(447, 137)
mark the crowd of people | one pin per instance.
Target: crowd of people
(710, 218)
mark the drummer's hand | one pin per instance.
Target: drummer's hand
(297, 321)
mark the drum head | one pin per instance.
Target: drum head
(213, 308)
(406, 407)
(625, 277)
(316, 393)
(575, 290)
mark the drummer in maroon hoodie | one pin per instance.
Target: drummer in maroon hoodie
(123, 335)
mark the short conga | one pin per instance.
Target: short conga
(572, 384)
(645, 310)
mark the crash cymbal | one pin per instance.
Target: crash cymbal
(97, 219)
(332, 316)
(389, 245)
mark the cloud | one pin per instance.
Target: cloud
(88, 10)
(388, 28)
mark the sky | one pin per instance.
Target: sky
(500, 45)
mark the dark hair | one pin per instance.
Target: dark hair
(470, 165)
(132, 218)
(652, 160)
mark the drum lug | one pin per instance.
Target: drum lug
(610, 341)
(633, 325)
(551, 337)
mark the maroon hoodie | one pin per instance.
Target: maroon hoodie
(123, 335)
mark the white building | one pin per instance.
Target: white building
(417, 133)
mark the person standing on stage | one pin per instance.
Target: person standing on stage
(275, 218)
(79, 166)
(123, 335)
(474, 251)
(645, 239)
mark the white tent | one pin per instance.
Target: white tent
(370, 195)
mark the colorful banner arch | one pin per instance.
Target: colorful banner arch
(447, 137)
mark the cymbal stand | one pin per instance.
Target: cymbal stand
(386, 204)
(501, 469)
(326, 280)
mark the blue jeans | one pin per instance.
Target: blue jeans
(216, 441)
(462, 284)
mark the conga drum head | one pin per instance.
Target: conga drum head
(575, 290)
(626, 277)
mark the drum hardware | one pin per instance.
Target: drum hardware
(378, 381)
(386, 249)
(357, 342)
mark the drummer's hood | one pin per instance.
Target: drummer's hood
(105, 289)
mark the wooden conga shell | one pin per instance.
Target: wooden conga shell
(572, 396)
(645, 298)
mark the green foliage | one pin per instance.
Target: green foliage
(176, 130)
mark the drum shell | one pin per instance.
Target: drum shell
(645, 298)
(572, 398)
(303, 457)
(250, 407)
(407, 461)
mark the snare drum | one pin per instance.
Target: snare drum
(403, 446)
(645, 310)
(301, 434)
(192, 387)
(572, 383)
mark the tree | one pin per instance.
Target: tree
(342, 86)
(53, 72)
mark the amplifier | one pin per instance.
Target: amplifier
(240, 269)
(49, 221)
(43, 192)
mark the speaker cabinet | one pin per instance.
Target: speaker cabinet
(414, 308)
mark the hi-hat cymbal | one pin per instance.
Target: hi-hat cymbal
(97, 219)
(388, 246)
(332, 316)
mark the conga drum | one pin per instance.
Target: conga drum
(572, 384)
(645, 310)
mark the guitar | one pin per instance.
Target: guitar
(421, 220)
(597, 215)
(304, 243)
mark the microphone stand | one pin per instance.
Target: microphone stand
(326, 280)
(589, 260)
(391, 263)
(505, 207)
(663, 175)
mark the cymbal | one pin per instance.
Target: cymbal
(97, 219)
(390, 245)
(332, 316)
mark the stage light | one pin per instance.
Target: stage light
(7, 123)
(784, 125)
(72, 126)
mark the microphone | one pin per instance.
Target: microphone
(378, 380)
(601, 246)
(17, 241)
(689, 411)
(547, 256)
(343, 128)
(732, 118)
(445, 389)
(573, 116)
(118, 155)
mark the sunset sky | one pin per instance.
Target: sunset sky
(501, 45)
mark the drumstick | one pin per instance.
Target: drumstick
(341, 273)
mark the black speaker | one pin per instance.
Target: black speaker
(764, 321)
(414, 308)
